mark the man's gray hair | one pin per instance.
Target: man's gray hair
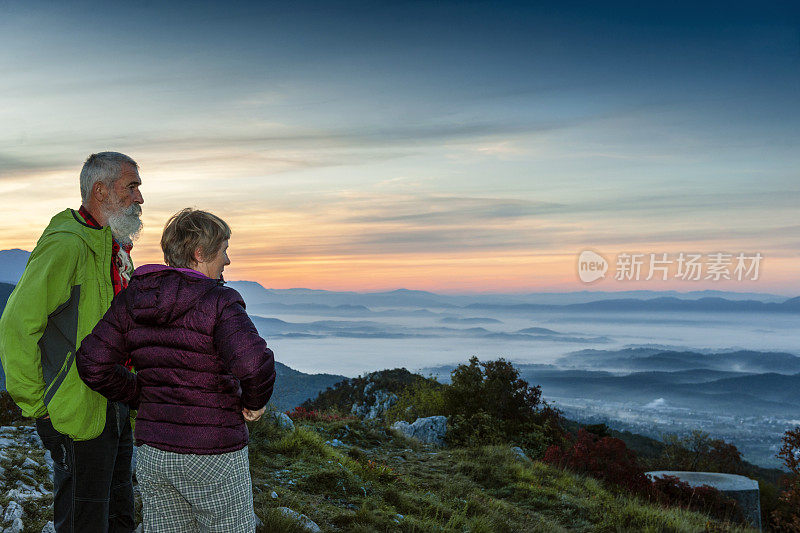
(102, 166)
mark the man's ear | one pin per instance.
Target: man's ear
(100, 191)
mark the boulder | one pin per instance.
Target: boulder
(305, 521)
(376, 405)
(283, 421)
(15, 527)
(431, 429)
(13, 511)
(520, 453)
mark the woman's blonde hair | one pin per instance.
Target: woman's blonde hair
(190, 229)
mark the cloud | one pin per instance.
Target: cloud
(12, 166)
(429, 209)
(658, 403)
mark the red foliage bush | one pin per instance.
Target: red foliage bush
(603, 458)
(671, 491)
(301, 413)
(610, 460)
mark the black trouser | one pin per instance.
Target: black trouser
(92, 487)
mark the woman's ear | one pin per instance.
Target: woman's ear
(198, 255)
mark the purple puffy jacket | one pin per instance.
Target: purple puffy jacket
(198, 358)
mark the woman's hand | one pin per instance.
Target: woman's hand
(252, 416)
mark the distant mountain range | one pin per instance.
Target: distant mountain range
(407, 302)
(365, 329)
(660, 304)
(293, 387)
(12, 263)
(399, 301)
(657, 360)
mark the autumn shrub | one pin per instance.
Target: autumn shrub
(671, 491)
(609, 459)
(604, 458)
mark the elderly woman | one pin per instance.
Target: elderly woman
(201, 371)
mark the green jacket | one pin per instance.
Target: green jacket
(65, 290)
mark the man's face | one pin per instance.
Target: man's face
(125, 191)
(122, 206)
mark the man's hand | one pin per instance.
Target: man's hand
(252, 416)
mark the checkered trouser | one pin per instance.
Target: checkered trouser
(184, 493)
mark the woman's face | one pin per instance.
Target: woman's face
(214, 267)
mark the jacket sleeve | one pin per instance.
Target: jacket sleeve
(44, 286)
(244, 352)
(102, 354)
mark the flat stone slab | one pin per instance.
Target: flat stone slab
(723, 482)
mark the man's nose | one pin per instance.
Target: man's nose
(138, 198)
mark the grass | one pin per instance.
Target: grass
(384, 482)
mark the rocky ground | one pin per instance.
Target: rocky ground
(26, 484)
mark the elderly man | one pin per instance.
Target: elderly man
(79, 263)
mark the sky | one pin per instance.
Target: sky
(455, 147)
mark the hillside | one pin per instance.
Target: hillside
(371, 479)
(356, 476)
(293, 387)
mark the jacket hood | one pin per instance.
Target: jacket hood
(69, 221)
(159, 294)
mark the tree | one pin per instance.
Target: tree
(787, 516)
(488, 403)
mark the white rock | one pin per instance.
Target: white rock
(13, 511)
(34, 440)
(15, 527)
(520, 453)
(273, 495)
(23, 494)
(48, 460)
(50, 528)
(301, 518)
(257, 521)
(336, 443)
(431, 429)
(403, 427)
(283, 421)
(139, 528)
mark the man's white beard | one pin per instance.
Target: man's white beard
(126, 225)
